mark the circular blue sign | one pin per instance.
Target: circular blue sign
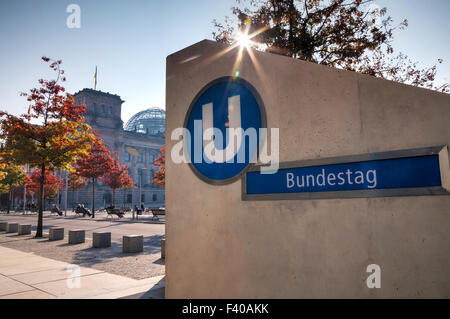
(227, 109)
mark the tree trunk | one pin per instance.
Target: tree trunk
(113, 197)
(93, 197)
(41, 202)
(9, 199)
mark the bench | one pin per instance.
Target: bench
(114, 211)
(56, 211)
(81, 211)
(157, 211)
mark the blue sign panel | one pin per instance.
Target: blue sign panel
(223, 104)
(409, 172)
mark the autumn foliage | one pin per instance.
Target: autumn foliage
(74, 183)
(160, 176)
(52, 184)
(94, 165)
(117, 177)
(12, 176)
(353, 35)
(50, 136)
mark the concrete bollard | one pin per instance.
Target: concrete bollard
(24, 229)
(76, 236)
(56, 233)
(163, 248)
(133, 244)
(12, 228)
(3, 226)
(101, 240)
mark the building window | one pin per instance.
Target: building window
(150, 177)
(109, 110)
(127, 156)
(154, 197)
(141, 157)
(129, 198)
(94, 106)
(142, 198)
(152, 158)
(102, 109)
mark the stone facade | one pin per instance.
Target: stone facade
(135, 149)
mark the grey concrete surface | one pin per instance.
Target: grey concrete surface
(133, 243)
(56, 233)
(110, 259)
(222, 247)
(12, 228)
(26, 276)
(24, 229)
(76, 236)
(101, 239)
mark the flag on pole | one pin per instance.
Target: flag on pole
(95, 77)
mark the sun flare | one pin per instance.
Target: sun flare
(243, 40)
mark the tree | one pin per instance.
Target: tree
(51, 188)
(117, 177)
(74, 183)
(160, 176)
(353, 35)
(50, 135)
(94, 165)
(13, 175)
(2, 170)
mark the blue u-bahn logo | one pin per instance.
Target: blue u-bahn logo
(224, 121)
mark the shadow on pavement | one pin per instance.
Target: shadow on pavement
(90, 256)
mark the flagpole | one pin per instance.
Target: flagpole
(95, 77)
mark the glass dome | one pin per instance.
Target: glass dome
(150, 121)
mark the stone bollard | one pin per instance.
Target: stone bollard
(12, 228)
(76, 236)
(133, 244)
(24, 229)
(163, 248)
(56, 233)
(3, 226)
(101, 240)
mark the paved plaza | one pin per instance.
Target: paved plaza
(39, 268)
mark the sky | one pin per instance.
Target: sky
(129, 40)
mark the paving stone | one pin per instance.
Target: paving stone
(133, 244)
(101, 240)
(24, 229)
(76, 236)
(12, 228)
(56, 233)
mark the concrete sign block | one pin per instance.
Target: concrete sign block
(56, 233)
(76, 236)
(24, 229)
(101, 240)
(12, 228)
(133, 244)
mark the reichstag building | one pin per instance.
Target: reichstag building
(137, 143)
